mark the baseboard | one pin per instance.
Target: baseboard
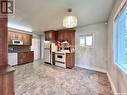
(112, 84)
(93, 69)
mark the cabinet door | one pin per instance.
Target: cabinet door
(60, 36)
(66, 36)
(70, 60)
(11, 36)
(15, 35)
(19, 36)
(21, 58)
(24, 39)
(25, 57)
(50, 35)
(70, 36)
(27, 39)
(30, 56)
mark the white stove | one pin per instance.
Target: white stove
(60, 59)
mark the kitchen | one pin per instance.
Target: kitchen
(19, 48)
(65, 47)
(59, 48)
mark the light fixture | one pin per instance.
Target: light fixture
(70, 21)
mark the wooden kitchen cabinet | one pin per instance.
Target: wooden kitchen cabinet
(66, 35)
(30, 56)
(50, 35)
(26, 38)
(25, 57)
(14, 36)
(60, 36)
(70, 60)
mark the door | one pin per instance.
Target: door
(36, 48)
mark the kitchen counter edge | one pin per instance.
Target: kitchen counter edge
(6, 70)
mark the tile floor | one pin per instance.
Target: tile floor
(42, 79)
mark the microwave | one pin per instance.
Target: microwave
(17, 42)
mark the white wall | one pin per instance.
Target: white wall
(36, 46)
(118, 77)
(96, 57)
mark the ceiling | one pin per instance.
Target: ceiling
(42, 15)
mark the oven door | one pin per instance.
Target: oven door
(60, 57)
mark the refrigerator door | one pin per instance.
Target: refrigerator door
(47, 55)
(47, 45)
(53, 47)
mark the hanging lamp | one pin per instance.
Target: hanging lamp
(70, 21)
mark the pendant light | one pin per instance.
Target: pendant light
(70, 21)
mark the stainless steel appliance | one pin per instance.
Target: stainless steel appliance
(17, 42)
(60, 59)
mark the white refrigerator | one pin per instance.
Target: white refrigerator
(48, 49)
(47, 52)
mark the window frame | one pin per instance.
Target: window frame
(80, 41)
(86, 35)
(120, 11)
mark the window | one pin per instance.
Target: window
(89, 40)
(82, 40)
(86, 40)
(120, 39)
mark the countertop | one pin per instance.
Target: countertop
(64, 52)
(19, 51)
(6, 70)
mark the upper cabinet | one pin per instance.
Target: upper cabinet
(26, 38)
(61, 35)
(50, 35)
(66, 35)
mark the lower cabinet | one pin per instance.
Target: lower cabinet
(70, 60)
(25, 57)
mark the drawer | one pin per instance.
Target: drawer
(60, 64)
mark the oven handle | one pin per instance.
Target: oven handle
(60, 53)
(60, 62)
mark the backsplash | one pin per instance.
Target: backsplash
(18, 49)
